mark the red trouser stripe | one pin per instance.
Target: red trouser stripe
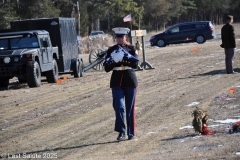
(134, 114)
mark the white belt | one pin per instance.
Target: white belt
(121, 68)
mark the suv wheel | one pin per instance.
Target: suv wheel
(200, 39)
(33, 74)
(52, 75)
(4, 82)
(161, 43)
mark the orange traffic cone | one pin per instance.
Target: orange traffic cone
(232, 90)
(59, 81)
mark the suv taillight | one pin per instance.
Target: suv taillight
(211, 28)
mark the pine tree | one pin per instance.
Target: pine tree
(7, 14)
(37, 9)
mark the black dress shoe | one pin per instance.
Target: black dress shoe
(121, 136)
(131, 137)
(232, 72)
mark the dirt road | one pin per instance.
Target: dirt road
(75, 119)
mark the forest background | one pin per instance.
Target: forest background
(152, 15)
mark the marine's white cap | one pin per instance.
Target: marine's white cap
(120, 31)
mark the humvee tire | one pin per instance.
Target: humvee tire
(78, 69)
(52, 75)
(4, 82)
(33, 74)
(81, 69)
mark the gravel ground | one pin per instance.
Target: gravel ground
(75, 119)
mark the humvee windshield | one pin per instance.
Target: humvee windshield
(18, 42)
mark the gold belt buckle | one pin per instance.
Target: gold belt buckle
(122, 67)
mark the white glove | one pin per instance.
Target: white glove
(117, 56)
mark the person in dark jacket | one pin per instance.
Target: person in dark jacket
(123, 83)
(228, 43)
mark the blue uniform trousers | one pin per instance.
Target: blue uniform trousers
(127, 95)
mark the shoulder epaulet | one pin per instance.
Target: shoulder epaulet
(112, 47)
(129, 45)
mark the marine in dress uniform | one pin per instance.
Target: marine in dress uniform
(228, 43)
(123, 84)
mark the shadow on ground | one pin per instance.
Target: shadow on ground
(18, 85)
(216, 72)
(180, 137)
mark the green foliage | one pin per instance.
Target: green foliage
(7, 14)
(84, 19)
(64, 7)
(188, 5)
(37, 9)
(117, 9)
(235, 5)
(106, 14)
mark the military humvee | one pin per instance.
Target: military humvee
(39, 47)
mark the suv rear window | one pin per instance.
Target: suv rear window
(200, 26)
(191, 27)
(96, 33)
(187, 27)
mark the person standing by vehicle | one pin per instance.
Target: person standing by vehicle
(228, 43)
(122, 59)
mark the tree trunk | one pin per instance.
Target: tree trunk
(164, 26)
(108, 17)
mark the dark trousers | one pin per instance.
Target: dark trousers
(229, 53)
(127, 95)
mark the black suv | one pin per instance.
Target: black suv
(198, 31)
